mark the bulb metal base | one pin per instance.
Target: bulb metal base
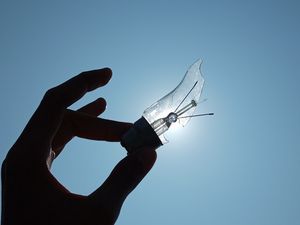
(141, 134)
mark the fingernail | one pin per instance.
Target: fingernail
(108, 72)
(101, 101)
(50, 159)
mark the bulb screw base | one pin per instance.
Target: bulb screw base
(141, 134)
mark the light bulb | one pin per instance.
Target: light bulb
(176, 107)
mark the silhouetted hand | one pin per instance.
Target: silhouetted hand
(30, 193)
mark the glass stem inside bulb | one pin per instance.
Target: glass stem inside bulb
(186, 108)
(160, 126)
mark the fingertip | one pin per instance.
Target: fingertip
(103, 74)
(102, 102)
(101, 105)
(108, 72)
(94, 108)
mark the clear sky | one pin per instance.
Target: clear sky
(239, 167)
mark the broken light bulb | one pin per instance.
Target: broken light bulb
(176, 107)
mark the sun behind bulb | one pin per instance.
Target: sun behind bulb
(176, 107)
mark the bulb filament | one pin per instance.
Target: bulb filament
(162, 125)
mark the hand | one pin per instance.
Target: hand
(31, 194)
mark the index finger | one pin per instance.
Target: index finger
(72, 90)
(38, 133)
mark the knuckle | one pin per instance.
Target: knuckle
(50, 94)
(52, 97)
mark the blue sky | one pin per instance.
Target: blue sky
(238, 167)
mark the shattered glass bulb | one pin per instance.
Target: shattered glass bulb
(181, 101)
(176, 107)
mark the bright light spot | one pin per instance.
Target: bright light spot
(183, 139)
